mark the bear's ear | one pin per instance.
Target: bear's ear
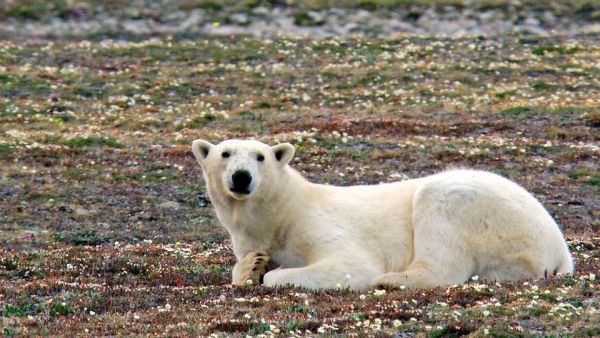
(283, 153)
(201, 149)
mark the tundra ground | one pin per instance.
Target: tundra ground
(105, 228)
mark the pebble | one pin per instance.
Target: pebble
(81, 212)
(240, 19)
(103, 225)
(169, 205)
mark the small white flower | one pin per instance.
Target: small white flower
(92, 313)
(249, 282)
(475, 278)
(592, 276)
(136, 317)
(247, 316)
(486, 313)
(379, 293)
(168, 307)
(362, 297)
(397, 323)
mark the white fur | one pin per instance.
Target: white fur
(436, 230)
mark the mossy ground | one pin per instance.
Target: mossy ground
(95, 134)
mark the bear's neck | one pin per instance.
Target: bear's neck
(261, 223)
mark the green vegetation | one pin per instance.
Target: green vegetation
(80, 237)
(95, 138)
(15, 311)
(90, 141)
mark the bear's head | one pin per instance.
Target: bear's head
(240, 168)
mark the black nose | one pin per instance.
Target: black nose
(241, 181)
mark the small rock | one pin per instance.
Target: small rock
(488, 16)
(104, 225)
(136, 26)
(169, 205)
(396, 25)
(531, 21)
(193, 20)
(81, 212)
(316, 16)
(260, 10)
(141, 216)
(203, 201)
(592, 28)
(549, 18)
(240, 19)
(535, 30)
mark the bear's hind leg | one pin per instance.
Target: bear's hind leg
(514, 267)
(333, 272)
(442, 225)
(420, 275)
(441, 256)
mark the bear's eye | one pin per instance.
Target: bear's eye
(225, 154)
(260, 158)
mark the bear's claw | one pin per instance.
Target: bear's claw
(250, 269)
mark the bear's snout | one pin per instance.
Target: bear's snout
(241, 181)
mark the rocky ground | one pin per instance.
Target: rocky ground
(105, 227)
(376, 19)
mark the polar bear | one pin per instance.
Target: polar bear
(420, 233)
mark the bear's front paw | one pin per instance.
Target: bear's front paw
(251, 268)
